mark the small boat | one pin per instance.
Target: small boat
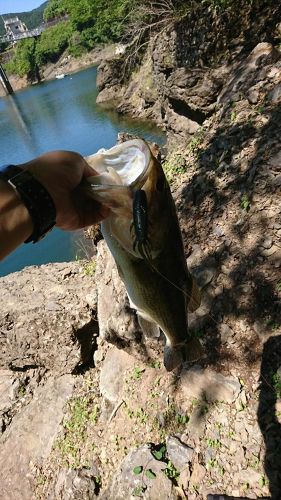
(59, 77)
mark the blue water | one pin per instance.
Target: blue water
(59, 114)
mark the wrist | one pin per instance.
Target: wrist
(35, 197)
(15, 222)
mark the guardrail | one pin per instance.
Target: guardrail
(24, 34)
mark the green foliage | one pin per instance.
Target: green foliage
(150, 474)
(52, 43)
(245, 202)
(276, 383)
(160, 454)
(136, 373)
(138, 469)
(90, 268)
(82, 412)
(24, 60)
(54, 9)
(171, 472)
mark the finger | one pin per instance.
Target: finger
(89, 171)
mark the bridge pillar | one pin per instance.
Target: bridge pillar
(5, 81)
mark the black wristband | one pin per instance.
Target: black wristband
(35, 197)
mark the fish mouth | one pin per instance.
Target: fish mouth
(124, 165)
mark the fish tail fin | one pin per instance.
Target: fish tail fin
(195, 297)
(178, 354)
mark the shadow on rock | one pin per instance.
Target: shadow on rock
(269, 411)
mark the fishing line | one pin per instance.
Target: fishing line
(179, 288)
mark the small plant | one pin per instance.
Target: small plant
(273, 324)
(255, 462)
(263, 481)
(154, 364)
(90, 268)
(276, 383)
(182, 419)
(159, 454)
(278, 286)
(245, 202)
(137, 372)
(138, 469)
(150, 474)
(241, 406)
(196, 141)
(233, 116)
(138, 491)
(171, 472)
(214, 443)
(212, 463)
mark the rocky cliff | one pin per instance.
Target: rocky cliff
(87, 408)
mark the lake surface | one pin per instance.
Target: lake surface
(59, 114)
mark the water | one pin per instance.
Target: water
(59, 114)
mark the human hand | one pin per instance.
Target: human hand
(61, 173)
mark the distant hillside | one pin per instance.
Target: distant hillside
(32, 19)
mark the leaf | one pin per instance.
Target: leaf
(150, 474)
(138, 469)
(158, 454)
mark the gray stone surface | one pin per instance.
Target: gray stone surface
(46, 317)
(179, 453)
(205, 384)
(29, 440)
(78, 484)
(113, 370)
(125, 483)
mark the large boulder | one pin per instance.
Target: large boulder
(47, 318)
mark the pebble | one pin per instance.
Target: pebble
(267, 242)
(270, 251)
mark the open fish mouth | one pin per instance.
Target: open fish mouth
(124, 165)
(122, 172)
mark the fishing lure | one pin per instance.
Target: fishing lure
(140, 224)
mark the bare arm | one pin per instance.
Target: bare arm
(61, 173)
(15, 221)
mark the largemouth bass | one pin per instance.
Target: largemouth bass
(143, 235)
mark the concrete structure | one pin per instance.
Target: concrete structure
(14, 27)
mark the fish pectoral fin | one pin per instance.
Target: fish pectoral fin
(194, 301)
(149, 328)
(178, 354)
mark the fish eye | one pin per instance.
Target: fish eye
(160, 184)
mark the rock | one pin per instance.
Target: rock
(249, 71)
(198, 474)
(78, 484)
(114, 367)
(46, 319)
(179, 453)
(274, 95)
(204, 276)
(267, 242)
(205, 384)
(226, 334)
(253, 96)
(127, 484)
(29, 440)
(218, 231)
(270, 251)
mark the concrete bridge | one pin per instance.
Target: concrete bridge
(25, 34)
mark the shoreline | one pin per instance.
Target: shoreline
(66, 64)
